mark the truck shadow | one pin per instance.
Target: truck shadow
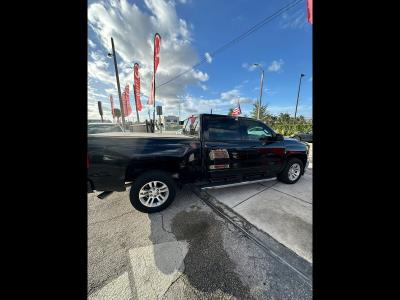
(207, 266)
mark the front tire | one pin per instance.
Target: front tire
(292, 171)
(152, 191)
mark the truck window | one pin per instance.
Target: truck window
(221, 129)
(191, 126)
(254, 130)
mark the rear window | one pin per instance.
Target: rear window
(222, 129)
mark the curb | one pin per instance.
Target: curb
(302, 267)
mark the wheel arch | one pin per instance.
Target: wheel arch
(301, 156)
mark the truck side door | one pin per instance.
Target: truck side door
(265, 155)
(224, 154)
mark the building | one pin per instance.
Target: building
(171, 120)
(98, 121)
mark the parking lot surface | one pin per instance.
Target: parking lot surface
(185, 252)
(284, 211)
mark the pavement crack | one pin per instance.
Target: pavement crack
(293, 196)
(172, 283)
(268, 187)
(101, 221)
(162, 224)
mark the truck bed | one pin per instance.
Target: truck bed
(140, 134)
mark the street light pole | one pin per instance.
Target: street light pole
(298, 93)
(118, 86)
(261, 89)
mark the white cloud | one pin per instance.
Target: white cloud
(133, 31)
(203, 87)
(276, 65)
(249, 67)
(234, 96)
(266, 91)
(91, 44)
(208, 57)
(230, 94)
(294, 20)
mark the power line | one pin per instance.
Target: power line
(239, 38)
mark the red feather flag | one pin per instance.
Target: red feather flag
(136, 87)
(309, 11)
(157, 45)
(156, 61)
(127, 109)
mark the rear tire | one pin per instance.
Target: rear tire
(292, 172)
(152, 191)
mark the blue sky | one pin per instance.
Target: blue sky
(189, 30)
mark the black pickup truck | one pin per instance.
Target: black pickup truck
(211, 150)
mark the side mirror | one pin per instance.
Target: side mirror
(265, 138)
(279, 137)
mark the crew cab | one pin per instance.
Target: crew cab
(210, 151)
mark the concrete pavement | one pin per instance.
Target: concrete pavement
(283, 211)
(187, 251)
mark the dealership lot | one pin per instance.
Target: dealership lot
(187, 251)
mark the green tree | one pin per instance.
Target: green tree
(117, 113)
(263, 112)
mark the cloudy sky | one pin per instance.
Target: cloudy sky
(190, 31)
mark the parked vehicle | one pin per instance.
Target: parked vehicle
(304, 136)
(213, 150)
(103, 127)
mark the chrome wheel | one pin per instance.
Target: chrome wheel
(153, 193)
(294, 171)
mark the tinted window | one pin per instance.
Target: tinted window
(222, 129)
(253, 130)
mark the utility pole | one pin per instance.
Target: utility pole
(118, 86)
(298, 93)
(261, 88)
(137, 115)
(154, 101)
